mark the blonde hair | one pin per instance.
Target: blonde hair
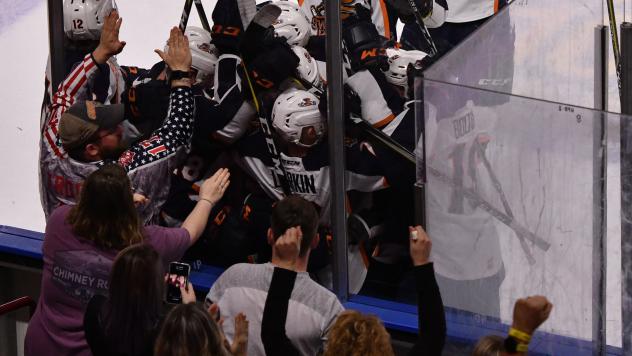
(490, 345)
(355, 334)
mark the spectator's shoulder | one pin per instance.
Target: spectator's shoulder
(59, 214)
(242, 268)
(237, 275)
(315, 295)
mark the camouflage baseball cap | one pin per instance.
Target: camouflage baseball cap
(84, 118)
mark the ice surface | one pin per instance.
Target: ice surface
(24, 40)
(542, 158)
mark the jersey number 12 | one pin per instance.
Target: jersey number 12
(77, 24)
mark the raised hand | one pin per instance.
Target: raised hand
(213, 310)
(178, 55)
(240, 341)
(188, 294)
(140, 199)
(213, 189)
(109, 44)
(287, 248)
(420, 246)
(529, 313)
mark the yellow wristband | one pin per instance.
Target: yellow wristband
(522, 347)
(520, 336)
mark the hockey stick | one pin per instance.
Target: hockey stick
(260, 22)
(247, 11)
(503, 199)
(614, 35)
(424, 30)
(184, 19)
(378, 137)
(200, 9)
(489, 208)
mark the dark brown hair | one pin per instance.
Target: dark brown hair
(189, 330)
(105, 213)
(131, 315)
(355, 334)
(295, 211)
(490, 345)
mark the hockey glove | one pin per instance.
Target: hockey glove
(351, 101)
(147, 100)
(424, 7)
(354, 8)
(272, 66)
(227, 28)
(364, 44)
(432, 12)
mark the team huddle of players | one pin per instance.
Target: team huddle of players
(253, 106)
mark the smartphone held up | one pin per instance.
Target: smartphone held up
(178, 276)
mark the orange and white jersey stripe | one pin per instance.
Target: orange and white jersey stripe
(315, 11)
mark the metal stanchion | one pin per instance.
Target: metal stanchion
(600, 192)
(336, 147)
(56, 41)
(626, 187)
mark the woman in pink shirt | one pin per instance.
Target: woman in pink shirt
(82, 241)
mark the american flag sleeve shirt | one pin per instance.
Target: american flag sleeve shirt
(149, 163)
(61, 176)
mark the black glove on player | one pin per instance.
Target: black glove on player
(364, 44)
(273, 65)
(227, 27)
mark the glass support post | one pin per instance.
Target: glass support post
(56, 41)
(335, 121)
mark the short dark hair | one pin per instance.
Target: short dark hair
(295, 211)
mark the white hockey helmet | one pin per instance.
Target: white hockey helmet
(307, 69)
(83, 19)
(398, 61)
(292, 24)
(203, 54)
(294, 111)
